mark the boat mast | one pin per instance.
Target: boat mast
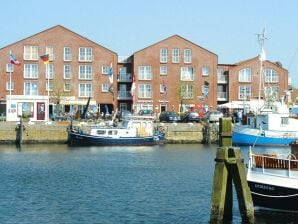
(262, 57)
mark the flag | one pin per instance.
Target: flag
(164, 87)
(133, 86)
(111, 73)
(111, 89)
(45, 58)
(13, 59)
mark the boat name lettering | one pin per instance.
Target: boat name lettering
(266, 187)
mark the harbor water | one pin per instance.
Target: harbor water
(153, 184)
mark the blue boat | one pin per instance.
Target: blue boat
(130, 133)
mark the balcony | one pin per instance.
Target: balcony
(222, 79)
(127, 77)
(222, 96)
(124, 95)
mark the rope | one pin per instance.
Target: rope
(277, 196)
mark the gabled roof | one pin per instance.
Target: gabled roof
(58, 27)
(173, 36)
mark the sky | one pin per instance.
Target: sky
(227, 28)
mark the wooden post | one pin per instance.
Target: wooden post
(229, 167)
(19, 134)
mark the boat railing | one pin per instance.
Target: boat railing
(269, 164)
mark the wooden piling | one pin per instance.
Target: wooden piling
(229, 167)
(19, 134)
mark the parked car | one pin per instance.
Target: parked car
(213, 116)
(169, 116)
(123, 115)
(146, 112)
(190, 116)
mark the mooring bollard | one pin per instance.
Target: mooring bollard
(229, 167)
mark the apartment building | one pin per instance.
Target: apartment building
(172, 74)
(78, 69)
(241, 81)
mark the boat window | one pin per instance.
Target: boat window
(136, 125)
(112, 132)
(100, 132)
(284, 120)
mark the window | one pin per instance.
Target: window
(271, 76)
(85, 72)
(284, 121)
(145, 73)
(186, 74)
(85, 54)
(187, 56)
(9, 67)
(85, 89)
(176, 55)
(187, 92)
(220, 72)
(244, 92)
(163, 70)
(272, 92)
(31, 53)
(163, 55)
(162, 88)
(67, 87)
(105, 70)
(205, 90)
(49, 71)
(30, 71)
(49, 86)
(50, 52)
(31, 88)
(205, 71)
(144, 91)
(9, 85)
(105, 87)
(67, 54)
(245, 75)
(67, 71)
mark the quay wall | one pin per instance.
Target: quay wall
(56, 132)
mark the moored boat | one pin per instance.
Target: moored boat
(273, 181)
(130, 132)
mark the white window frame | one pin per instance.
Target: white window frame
(271, 76)
(187, 91)
(31, 88)
(187, 74)
(30, 71)
(85, 89)
(85, 72)
(9, 87)
(145, 73)
(175, 55)
(187, 56)
(9, 67)
(163, 70)
(30, 53)
(205, 71)
(163, 55)
(67, 56)
(50, 52)
(85, 54)
(145, 91)
(50, 71)
(104, 87)
(67, 71)
(244, 92)
(245, 75)
(66, 87)
(105, 69)
(49, 86)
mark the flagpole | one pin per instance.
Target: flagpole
(9, 109)
(48, 107)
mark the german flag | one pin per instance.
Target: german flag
(45, 58)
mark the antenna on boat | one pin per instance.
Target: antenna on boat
(262, 58)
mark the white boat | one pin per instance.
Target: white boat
(273, 181)
(131, 132)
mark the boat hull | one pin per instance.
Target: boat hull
(274, 197)
(80, 139)
(254, 138)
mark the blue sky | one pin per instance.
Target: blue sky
(227, 28)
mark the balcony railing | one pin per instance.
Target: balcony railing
(124, 77)
(222, 79)
(124, 95)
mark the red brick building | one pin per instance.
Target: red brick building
(78, 68)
